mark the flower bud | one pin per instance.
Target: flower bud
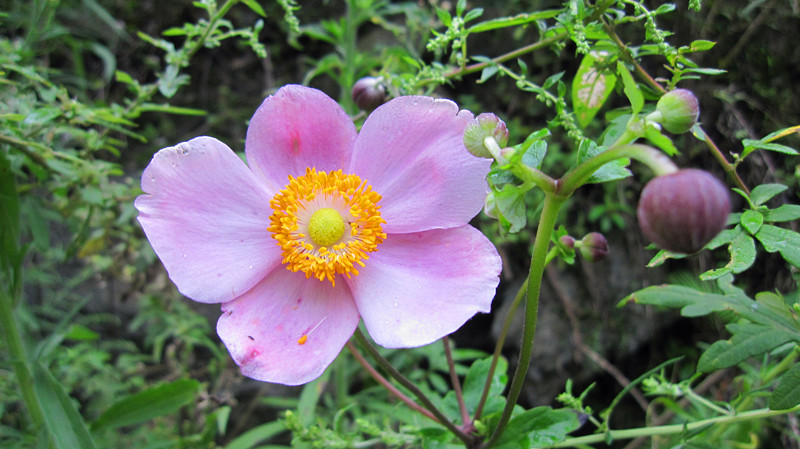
(368, 93)
(683, 211)
(593, 247)
(481, 127)
(568, 241)
(679, 110)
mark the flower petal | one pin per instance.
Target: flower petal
(264, 329)
(296, 128)
(206, 214)
(411, 152)
(420, 287)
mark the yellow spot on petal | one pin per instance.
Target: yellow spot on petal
(326, 224)
(302, 340)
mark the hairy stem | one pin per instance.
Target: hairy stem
(552, 205)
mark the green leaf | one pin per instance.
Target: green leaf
(701, 45)
(695, 303)
(519, 19)
(764, 192)
(631, 89)
(611, 171)
(654, 135)
(475, 381)
(42, 115)
(743, 254)
(61, 418)
(751, 221)
(751, 145)
(785, 241)
(787, 393)
(148, 404)
(591, 86)
(784, 212)
(253, 4)
(748, 340)
(538, 427)
(253, 437)
(511, 206)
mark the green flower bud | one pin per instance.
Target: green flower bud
(481, 127)
(679, 110)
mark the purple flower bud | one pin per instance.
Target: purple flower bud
(593, 247)
(683, 211)
(368, 93)
(679, 110)
(567, 241)
(481, 127)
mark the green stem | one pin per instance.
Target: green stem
(613, 435)
(550, 209)
(501, 339)
(655, 159)
(405, 382)
(13, 341)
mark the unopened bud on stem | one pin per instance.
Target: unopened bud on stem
(483, 126)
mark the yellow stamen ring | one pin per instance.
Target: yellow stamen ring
(326, 223)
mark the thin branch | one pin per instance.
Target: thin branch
(386, 383)
(405, 382)
(456, 384)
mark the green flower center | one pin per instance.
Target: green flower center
(326, 227)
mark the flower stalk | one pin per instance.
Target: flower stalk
(550, 209)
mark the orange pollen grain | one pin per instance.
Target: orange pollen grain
(355, 201)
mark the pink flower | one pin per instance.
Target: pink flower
(325, 227)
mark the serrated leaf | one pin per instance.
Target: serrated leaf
(748, 340)
(61, 418)
(631, 89)
(765, 192)
(785, 241)
(784, 212)
(751, 221)
(539, 427)
(787, 393)
(743, 254)
(476, 379)
(148, 404)
(591, 86)
(733, 300)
